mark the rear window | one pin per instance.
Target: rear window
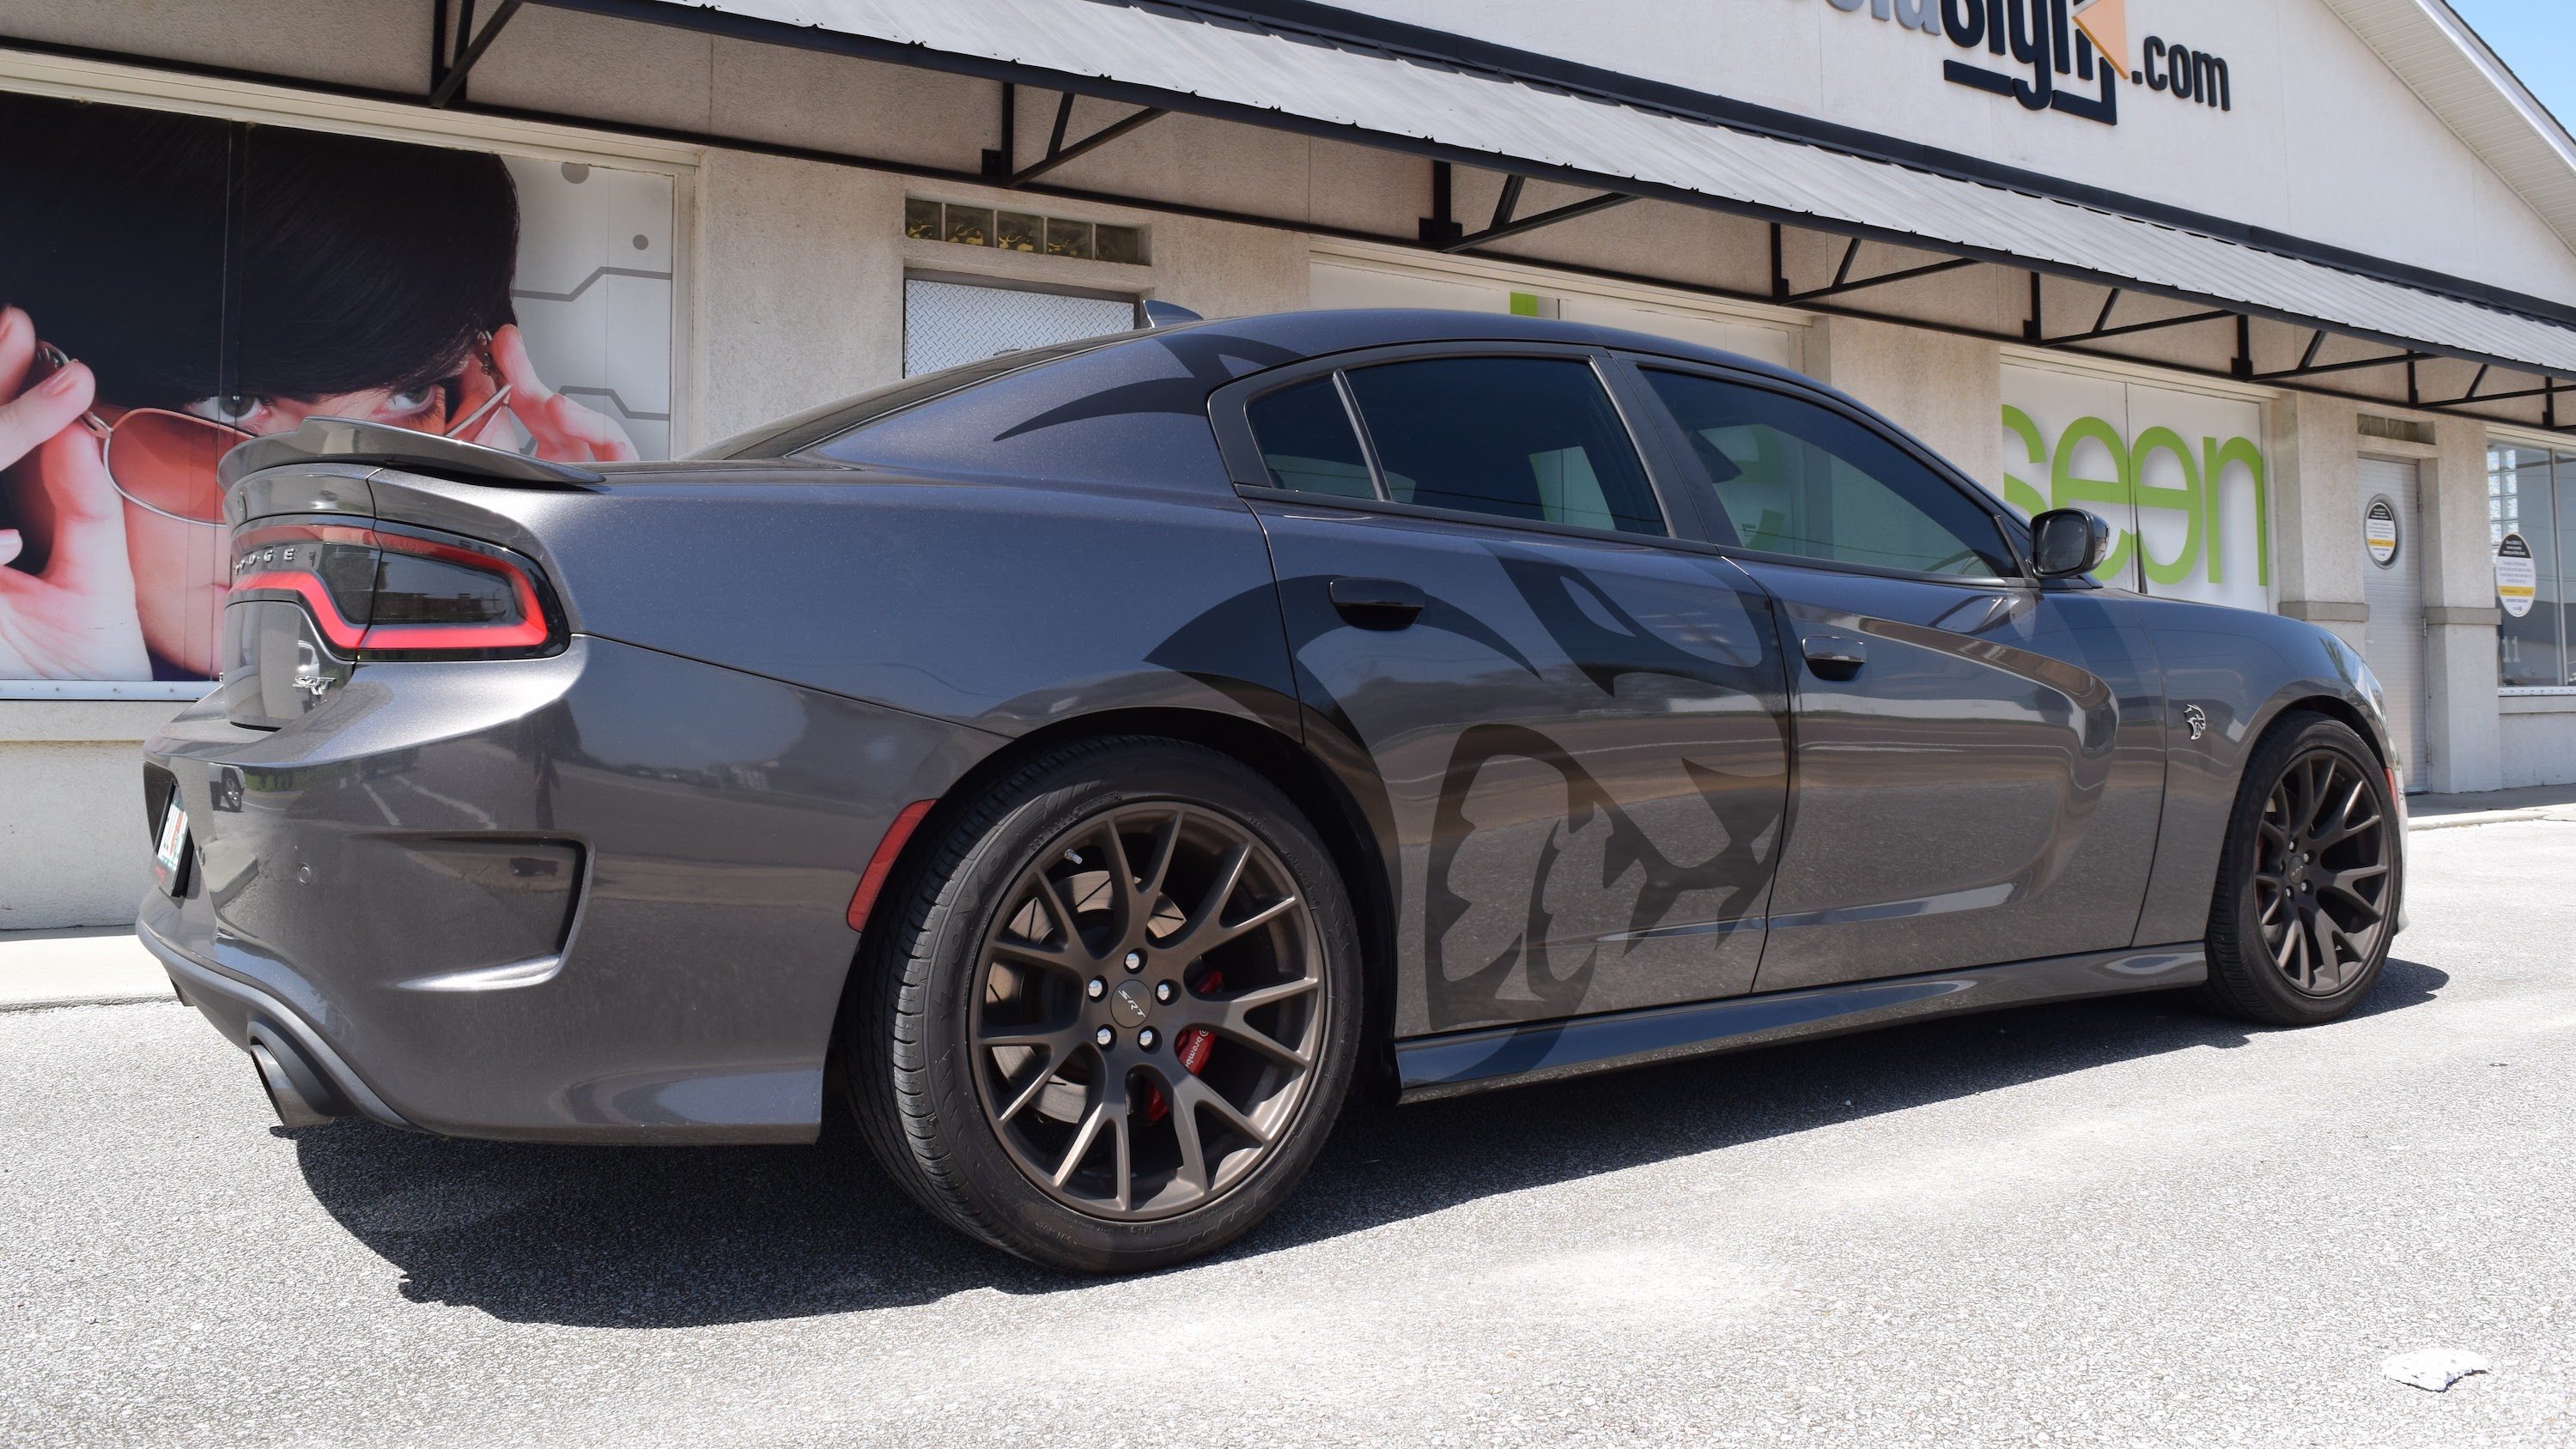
(796, 433)
(1134, 411)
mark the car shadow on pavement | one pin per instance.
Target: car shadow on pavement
(665, 1237)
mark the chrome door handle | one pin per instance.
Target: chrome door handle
(1376, 603)
(1837, 657)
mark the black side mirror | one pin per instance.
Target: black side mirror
(2065, 542)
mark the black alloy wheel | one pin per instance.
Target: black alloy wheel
(1150, 1010)
(2321, 873)
(1109, 1009)
(2308, 891)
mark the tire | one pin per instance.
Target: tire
(1026, 1083)
(2310, 880)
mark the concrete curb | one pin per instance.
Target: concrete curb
(2493, 817)
(40, 970)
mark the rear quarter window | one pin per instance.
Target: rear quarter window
(1133, 412)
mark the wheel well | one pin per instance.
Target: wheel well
(2341, 711)
(1286, 763)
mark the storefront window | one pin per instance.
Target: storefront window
(2530, 496)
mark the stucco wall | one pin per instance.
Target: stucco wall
(1946, 390)
(2538, 740)
(74, 847)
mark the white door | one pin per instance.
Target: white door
(947, 323)
(2392, 584)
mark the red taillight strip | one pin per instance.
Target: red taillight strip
(317, 601)
(881, 864)
(530, 631)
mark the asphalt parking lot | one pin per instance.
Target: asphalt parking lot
(2106, 1223)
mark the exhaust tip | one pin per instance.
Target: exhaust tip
(301, 1096)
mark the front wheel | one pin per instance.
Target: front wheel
(2308, 885)
(1117, 1011)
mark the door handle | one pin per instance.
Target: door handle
(1376, 603)
(1834, 656)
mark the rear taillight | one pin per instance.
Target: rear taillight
(385, 593)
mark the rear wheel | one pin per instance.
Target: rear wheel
(1118, 1012)
(2308, 886)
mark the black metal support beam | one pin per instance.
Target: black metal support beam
(2242, 365)
(2159, 324)
(2294, 378)
(1507, 203)
(1884, 279)
(998, 159)
(2308, 358)
(448, 75)
(2546, 388)
(2320, 369)
(1059, 152)
(1851, 254)
(1585, 207)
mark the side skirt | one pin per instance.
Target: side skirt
(1472, 1061)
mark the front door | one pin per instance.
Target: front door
(1577, 726)
(1979, 761)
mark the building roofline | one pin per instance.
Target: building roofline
(2449, 67)
(1352, 27)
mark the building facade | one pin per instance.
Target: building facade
(2287, 292)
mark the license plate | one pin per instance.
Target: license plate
(170, 858)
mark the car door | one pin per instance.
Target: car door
(1574, 728)
(1979, 758)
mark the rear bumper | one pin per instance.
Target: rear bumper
(596, 897)
(248, 1017)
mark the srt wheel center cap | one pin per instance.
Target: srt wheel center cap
(1131, 1003)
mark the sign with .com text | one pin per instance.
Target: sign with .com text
(2180, 476)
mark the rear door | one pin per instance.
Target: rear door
(1573, 727)
(1979, 759)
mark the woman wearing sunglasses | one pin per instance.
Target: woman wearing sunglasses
(361, 278)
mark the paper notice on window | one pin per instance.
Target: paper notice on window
(2517, 581)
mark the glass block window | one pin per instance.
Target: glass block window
(1020, 231)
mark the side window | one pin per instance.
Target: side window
(1307, 443)
(1520, 437)
(1795, 478)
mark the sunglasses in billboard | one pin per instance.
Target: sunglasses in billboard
(163, 461)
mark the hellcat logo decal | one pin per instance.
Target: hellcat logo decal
(2069, 56)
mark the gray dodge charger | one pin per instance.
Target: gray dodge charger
(1093, 764)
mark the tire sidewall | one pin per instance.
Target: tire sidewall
(2253, 968)
(977, 1163)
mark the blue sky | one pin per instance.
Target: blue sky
(2538, 39)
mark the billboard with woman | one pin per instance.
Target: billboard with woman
(171, 285)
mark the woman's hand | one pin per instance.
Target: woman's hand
(563, 430)
(76, 620)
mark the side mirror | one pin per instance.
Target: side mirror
(2065, 542)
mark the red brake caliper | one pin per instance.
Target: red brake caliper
(1191, 1048)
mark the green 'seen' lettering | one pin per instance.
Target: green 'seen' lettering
(2196, 498)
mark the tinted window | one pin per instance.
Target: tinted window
(799, 431)
(1307, 443)
(1792, 477)
(1131, 411)
(1522, 437)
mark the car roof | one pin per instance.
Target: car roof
(1316, 333)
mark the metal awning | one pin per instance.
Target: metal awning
(1230, 64)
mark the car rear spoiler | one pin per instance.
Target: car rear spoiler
(347, 440)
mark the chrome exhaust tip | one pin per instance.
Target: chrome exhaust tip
(301, 1096)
